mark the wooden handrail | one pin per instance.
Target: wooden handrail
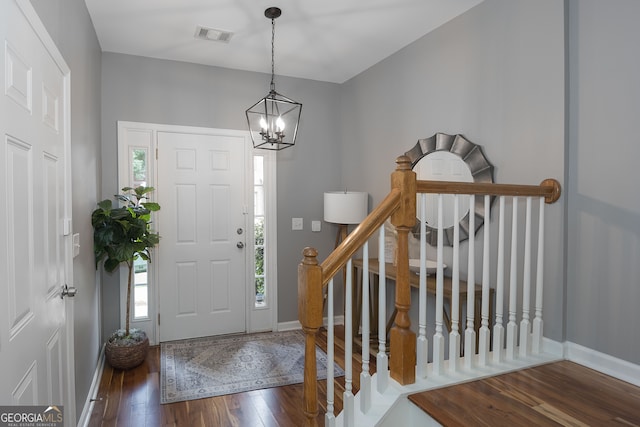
(549, 189)
(372, 223)
(400, 206)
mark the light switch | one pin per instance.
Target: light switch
(316, 226)
(296, 224)
(76, 245)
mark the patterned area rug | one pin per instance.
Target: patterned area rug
(214, 366)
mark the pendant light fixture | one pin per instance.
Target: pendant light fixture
(273, 121)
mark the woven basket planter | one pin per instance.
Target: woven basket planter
(126, 356)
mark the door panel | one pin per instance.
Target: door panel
(202, 269)
(33, 195)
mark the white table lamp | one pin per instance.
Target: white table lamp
(344, 208)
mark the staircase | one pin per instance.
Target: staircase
(478, 341)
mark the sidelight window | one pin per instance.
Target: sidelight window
(139, 175)
(259, 231)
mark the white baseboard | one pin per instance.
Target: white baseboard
(602, 362)
(295, 324)
(289, 326)
(553, 347)
(93, 391)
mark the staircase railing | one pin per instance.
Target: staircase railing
(408, 355)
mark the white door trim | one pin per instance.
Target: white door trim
(256, 318)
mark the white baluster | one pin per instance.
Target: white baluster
(525, 325)
(438, 337)
(470, 332)
(498, 329)
(347, 399)
(422, 344)
(512, 326)
(330, 418)
(485, 332)
(365, 377)
(454, 335)
(537, 321)
(382, 360)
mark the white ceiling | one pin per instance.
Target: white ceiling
(327, 40)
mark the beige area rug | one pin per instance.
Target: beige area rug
(214, 366)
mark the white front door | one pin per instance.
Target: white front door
(35, 258)
(202, 223)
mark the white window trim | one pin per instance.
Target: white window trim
(261, 319)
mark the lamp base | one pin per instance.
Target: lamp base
(343, 231)
(342, 234)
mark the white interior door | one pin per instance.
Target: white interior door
(35, 258)
(202, 223)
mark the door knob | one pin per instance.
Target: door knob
(240, 245)
(68, 291)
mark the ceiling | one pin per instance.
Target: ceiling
(327, 40)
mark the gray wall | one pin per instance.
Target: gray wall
(495, 74)
(169, 92)
(68, 23)
(604, 208)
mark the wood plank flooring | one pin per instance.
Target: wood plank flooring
(132, 398)
(561, 393)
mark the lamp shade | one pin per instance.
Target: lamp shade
(345, 207)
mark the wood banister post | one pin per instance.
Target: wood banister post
(310, 315)
(402, 360)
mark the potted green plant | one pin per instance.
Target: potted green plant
(121, 235)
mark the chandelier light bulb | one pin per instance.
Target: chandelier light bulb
(263, 123)
(279, 124)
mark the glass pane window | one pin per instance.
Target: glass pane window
(139, 158)
(258, 228)
(259, 231)
(140, 289)
(139, 166)
(258, 170)
(258, 201)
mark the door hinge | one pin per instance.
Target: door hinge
(156, 154)
(158, 318)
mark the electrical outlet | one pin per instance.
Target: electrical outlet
(316, 226)
(296, 224)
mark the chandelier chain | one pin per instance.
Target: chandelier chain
(273, 64)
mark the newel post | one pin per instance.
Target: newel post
(310, 316)
(402, 360)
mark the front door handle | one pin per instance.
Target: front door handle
(68, 291)
(240, 245)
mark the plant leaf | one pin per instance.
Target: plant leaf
(152, 206)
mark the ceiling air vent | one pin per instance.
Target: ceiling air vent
(212, 34)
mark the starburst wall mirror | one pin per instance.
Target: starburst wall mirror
(444, 157)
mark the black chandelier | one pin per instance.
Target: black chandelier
(275, 117)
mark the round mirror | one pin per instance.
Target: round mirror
(449, 158)
(443, 166)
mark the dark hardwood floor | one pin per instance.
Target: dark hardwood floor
(561, 393)
(132, 398)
